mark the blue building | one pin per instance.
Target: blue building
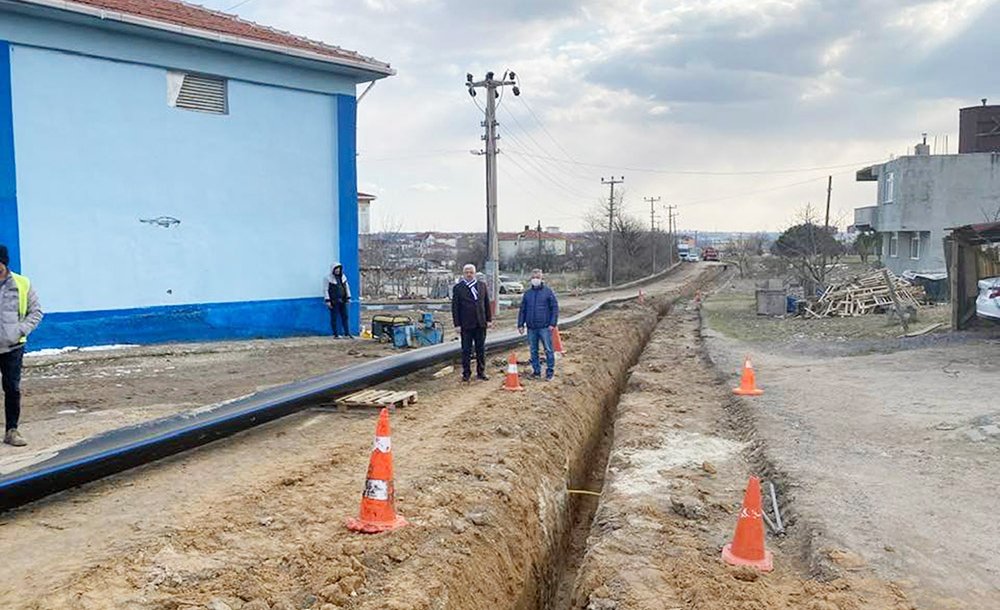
(168, 172)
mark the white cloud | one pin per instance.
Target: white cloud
(721, 85)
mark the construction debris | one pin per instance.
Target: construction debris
(864, 295)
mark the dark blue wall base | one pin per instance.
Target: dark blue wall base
(203, 322)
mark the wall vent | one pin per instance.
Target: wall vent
(197, 92)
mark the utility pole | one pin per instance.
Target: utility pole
(652, 225)
(539, 231)
(829, 191)
(826, 221)
(672, 238)
(492, 86)
(611, 226)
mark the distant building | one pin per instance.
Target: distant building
(919, 196)
(168, 172)
(365, 213)
(526, 242)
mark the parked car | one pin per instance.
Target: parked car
(710, 254)
(988, 303)
(691, 257)
(509, 286)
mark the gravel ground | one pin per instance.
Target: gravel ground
(891, 454)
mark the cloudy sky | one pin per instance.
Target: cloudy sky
(735, 111)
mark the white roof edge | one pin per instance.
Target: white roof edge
(127, 18)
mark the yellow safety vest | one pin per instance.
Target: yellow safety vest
(23, 287)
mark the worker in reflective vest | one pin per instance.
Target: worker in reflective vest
(20, 313)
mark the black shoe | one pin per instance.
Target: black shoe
(536, 375)
(465, 379)
(482, 377)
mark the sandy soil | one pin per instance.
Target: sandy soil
(675, 479)
(256, 520)
(893, 456)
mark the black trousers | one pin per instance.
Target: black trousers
(473, 337)
(10, 370)
(338, 311)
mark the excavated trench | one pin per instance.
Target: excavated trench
(554, 588)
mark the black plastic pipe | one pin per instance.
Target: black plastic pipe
(124, 448)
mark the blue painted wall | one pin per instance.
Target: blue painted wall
(347, 120)
(266, 195)
(8, 183)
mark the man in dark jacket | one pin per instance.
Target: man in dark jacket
(540, 314)
(472, 315)
(338, 295)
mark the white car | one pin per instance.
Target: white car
(988, 303)
(691, 257)
(509, 286)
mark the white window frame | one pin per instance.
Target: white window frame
(894, 245)
(889, 187)
(915, 239)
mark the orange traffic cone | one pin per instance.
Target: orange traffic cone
(513, 381)
(378, 512)
(747, 547)
(748, 383)
(557, 345)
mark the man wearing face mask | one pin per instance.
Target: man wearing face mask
(540, 314)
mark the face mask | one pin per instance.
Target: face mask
(536, 281)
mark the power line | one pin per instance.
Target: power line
(765, 190)
(701, 172)
(536, 176)
(545, 152)
(237, 5)
(547, 132)
(547, 175)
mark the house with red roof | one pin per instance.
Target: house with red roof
(170, 172)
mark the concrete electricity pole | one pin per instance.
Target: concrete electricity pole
(652, 225)
(671, 228)
(539, 230)
(611, 226)
(492, 86)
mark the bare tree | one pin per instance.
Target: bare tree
(632, 254)
(745, 249)
(808, 247)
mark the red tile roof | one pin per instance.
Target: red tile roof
(174, 12)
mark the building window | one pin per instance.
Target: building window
(198, 92)
(889, 187)
(915, 246)
(894, 245)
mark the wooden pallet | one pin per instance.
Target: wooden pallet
(377, 398)
(860, 296)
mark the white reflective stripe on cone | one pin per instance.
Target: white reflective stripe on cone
(383, 444)
(511, 369)
(376, 490)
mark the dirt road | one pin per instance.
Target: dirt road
(892, 456)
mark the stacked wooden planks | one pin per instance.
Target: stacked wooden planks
(864, 295)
